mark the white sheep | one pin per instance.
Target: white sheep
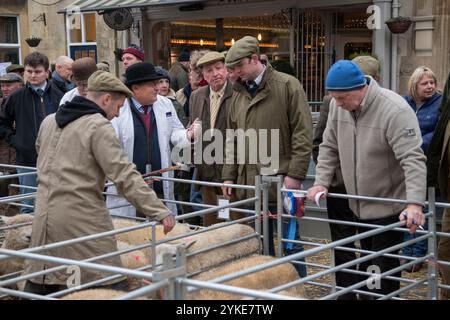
(202, 261)
(144, 235)
(261, 280)
(94, 294)
(15, 239)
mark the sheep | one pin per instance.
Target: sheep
(15, 239)
(211, 258)
(144, 235)
(94, 294)
(261, 280)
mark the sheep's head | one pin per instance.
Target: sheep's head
(172, 248)
(17, 238)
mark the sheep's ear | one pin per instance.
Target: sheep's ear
(189, 243)
(5, 219)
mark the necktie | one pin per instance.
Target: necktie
(215, 104)
(146, 118)
(251, 87)
(40, 92)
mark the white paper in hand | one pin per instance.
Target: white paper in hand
(317, 197)
(224, 213)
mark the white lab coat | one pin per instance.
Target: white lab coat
(170, 129)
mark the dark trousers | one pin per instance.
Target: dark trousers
(377, 243)
(338, 209)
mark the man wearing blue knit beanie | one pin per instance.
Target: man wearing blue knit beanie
(374, 136)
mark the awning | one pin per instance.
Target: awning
(100, 5)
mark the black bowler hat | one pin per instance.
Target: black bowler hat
(141, 72)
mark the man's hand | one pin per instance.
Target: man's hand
(311, 195)
(195, 130)
(227, 191)
(292, 183)
(414, 217)
(168, 223)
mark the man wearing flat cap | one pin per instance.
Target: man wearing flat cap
(16, 68)
(267, 101)
(9, 82)
(147, 124)
(374, 136)
(78, 150)
(209, 104)
(179, 72)
(82, 69)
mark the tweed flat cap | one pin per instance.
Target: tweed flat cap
(241, 49)
(106, 82)
(15, 68)
(11, 77)
(210, 57)
(369, 65)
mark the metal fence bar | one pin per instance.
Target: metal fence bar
(303, 254)
(236, 290)
(143, 291)
(18, 197)
(279, 218)
(432, 248)
(347, 264)
(404, 289)
(81, 239)
(364, 282)
(16, 175)
(82, 264)
(25, 295)
(14, 166)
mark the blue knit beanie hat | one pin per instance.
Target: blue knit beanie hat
(344, 75)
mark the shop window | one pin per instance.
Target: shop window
(82, 36)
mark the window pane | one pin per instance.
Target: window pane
(9, 55)
(75, 35)
(89, 26)
(8, 30)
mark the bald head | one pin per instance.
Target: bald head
(63, 67)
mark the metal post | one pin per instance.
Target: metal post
(332, 265)
(181, 262)
(432, 247)
(153, 248)
(169, 293)
(258, 205)
(279, 217)
(265, 198)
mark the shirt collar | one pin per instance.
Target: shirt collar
(221, 92)
(42, 86)
(137, 105)
(260, 76)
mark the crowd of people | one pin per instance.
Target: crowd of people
(81, 126)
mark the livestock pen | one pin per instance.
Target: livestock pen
(171, 274)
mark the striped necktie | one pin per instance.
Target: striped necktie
(215, 105)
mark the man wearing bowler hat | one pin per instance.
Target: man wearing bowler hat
(146, 126)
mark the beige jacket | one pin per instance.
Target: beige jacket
(73, 164)
(379, 153)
